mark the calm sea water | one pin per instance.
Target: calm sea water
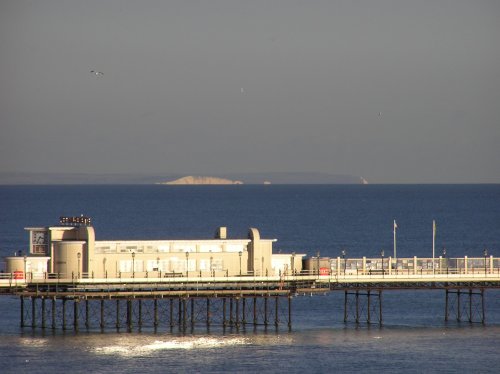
(414, 337)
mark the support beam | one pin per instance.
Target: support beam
(276, 312)
(102, 324)
(87, 314)
(129, 314)
(255, 311)
(380, 306)
(33, 311)
(208, 312)
(64, 313)
(43, 313)
(139, 322)
(54, 306)
(243, 317)
(75, 314)
(265, 309)
(21, 298)
(155, 312)
(224, 320)
(237, 319)
(117, 314)
(171, 315)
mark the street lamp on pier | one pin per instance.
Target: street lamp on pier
(240, 254)
(317, 259)
(343, 257)
(187, 264)
(133, 264)
(382, 255)
(104, 267)
(485, 253)
(212, 272)
(444, 261)
(25, 275)
(79, 256)
(293, 263)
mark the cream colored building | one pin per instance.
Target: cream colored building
(71, 251)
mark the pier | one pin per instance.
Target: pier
(69, 280)
(238, 302)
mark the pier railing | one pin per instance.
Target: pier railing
(339, 270)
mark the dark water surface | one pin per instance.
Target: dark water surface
(306, 219)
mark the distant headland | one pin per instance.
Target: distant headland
(202, 180)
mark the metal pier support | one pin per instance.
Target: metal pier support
(208, 312)
(467, 303)
(43, 313)
(289, 312)
(33, 312)
(129, 314)
(102, 324)
(22, 311)
(75, 314)
(117, 314)
(132, 313)
(359, 304)
(155, 312)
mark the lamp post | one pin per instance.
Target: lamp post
(317, 260)
(240, 254)
(211, 267)
(79, 256)
(444, 258)
(25, 275)
(382, 255)
(133, 264)
(485, 253)
(187, 264)
(158, 266)
(104, 267)
(262, 267)
(345, 262)
(293, 263)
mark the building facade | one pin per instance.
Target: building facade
(70, 250)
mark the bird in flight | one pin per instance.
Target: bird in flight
(97, 73)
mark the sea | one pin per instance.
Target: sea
(358, 219)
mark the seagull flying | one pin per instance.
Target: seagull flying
(97, 73)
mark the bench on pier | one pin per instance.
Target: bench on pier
(173, 274)
(377, 272)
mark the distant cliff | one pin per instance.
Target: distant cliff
(201, 180)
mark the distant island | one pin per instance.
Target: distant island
(202, 180)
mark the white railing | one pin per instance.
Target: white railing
(486, 268)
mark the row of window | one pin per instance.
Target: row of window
(171, 265)
(165, 247)
(353, 264)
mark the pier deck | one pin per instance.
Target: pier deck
(233, 301)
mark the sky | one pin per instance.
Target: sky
(396, 91)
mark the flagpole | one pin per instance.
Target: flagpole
(433, 244)
(395, 227)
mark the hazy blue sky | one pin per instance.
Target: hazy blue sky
(396, 91)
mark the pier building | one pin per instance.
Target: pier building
(71, 250)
